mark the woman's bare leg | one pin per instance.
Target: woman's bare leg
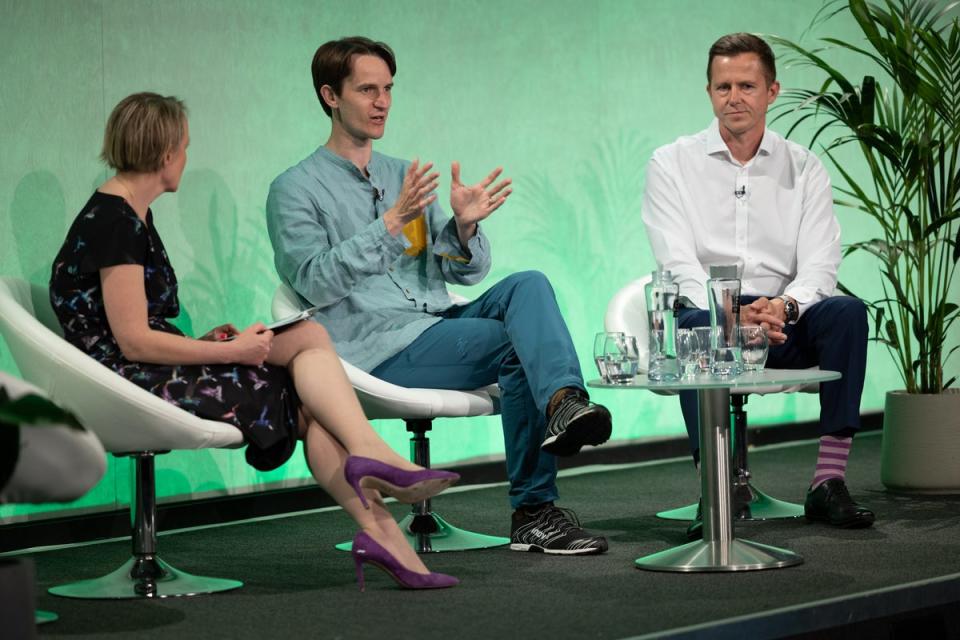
(326, 458)
(306, 350)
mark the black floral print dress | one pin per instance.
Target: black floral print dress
(260, 401)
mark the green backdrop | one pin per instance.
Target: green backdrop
(570, 96)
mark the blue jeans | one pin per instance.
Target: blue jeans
(832, 334)
(512, 335)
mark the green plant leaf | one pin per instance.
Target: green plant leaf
(892, 336)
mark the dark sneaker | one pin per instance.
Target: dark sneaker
(552, 530)
(576, 422)
(831, 502)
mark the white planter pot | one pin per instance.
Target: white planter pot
(921, 442)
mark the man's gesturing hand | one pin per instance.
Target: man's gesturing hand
(471, 204)
(415, 194)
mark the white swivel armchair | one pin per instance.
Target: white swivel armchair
(425, 529)
(627, 312)
(128, 420)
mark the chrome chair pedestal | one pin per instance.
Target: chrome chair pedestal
(144, 575)
(426, 530)
(44, 617)
(430, 533)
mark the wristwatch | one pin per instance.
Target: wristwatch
(790, 308)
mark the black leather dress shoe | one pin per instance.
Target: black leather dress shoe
(831, 502)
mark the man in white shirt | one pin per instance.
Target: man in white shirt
(738, 193)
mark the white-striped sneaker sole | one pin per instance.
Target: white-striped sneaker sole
(516, 546)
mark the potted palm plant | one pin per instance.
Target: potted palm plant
(905, 123)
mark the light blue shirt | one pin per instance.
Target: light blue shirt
(330, 244)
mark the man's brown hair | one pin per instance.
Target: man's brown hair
(736, 43)
(333, 62)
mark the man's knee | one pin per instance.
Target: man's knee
(529, 280)
(849, 312)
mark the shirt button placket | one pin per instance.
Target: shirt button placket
(741, 195)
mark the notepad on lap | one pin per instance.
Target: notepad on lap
(284, 323)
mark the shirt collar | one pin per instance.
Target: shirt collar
(715, 143)
(322, 154)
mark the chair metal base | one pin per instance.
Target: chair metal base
(732, 555)
(144, 577)
(688, 512)
(430, 533)
(43, 617)
(759, 506)
(750, 503)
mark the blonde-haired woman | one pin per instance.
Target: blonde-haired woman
(114, 290)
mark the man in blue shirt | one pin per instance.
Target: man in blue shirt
(360, 235)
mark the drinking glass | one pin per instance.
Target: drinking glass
(703, 339)
(755, 347)
(622, 358)
(600, 347)
(688, 353)
(726, 359)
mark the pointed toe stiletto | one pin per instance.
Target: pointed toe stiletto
(366, 549)
(406, 486)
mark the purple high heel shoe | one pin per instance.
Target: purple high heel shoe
(406, 486)
(366, 549)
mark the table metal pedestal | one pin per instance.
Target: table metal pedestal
(718, 550)
(749, 502)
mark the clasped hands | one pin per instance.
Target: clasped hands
(769, 314)
(470, 203)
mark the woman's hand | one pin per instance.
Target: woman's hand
(222, 332)
(252, 345)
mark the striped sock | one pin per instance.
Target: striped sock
(832, 459)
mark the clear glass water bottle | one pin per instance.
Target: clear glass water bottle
(662, 298)
(723, 292)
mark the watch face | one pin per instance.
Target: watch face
(789, 308)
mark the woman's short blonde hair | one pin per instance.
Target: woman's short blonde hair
(142, 128)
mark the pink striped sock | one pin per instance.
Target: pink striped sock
(832, 459)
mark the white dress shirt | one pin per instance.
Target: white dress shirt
(773, 216)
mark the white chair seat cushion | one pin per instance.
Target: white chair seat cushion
(382, 399)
